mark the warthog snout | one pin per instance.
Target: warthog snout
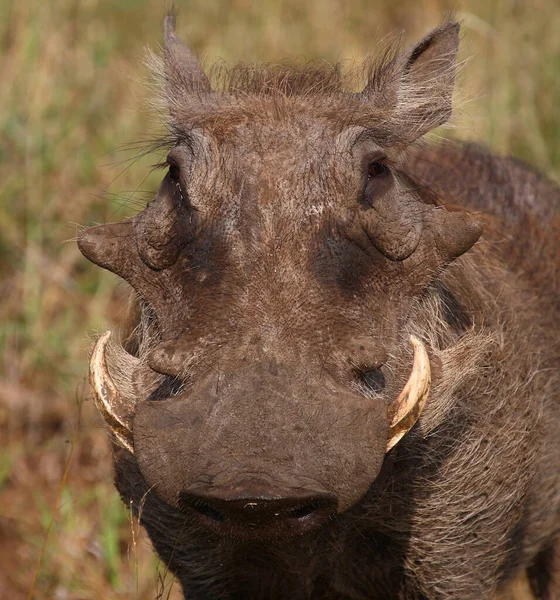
(300, 430)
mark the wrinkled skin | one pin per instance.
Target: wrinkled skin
(297, 241)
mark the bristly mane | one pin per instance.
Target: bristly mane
(284, 79)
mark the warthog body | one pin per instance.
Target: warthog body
(264, 412)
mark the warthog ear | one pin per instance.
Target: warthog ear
(416, 87)
(183, 74)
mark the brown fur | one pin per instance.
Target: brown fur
(272, 276)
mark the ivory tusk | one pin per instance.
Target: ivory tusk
(106, 396)
(406, 409)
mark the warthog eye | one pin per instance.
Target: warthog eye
(377, 169)
(372, 380)
(174, 172)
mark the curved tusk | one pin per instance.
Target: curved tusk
(117, 414)
(406, 409)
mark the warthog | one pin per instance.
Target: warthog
(341, 377)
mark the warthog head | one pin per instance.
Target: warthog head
(277, 271)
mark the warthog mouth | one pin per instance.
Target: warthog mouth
(258, 514)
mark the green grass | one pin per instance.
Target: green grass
(72, 98)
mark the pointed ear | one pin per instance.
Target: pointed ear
(183, 74)
(416, 87)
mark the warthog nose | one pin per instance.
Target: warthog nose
(264, 515)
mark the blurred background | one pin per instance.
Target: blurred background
(73, 127)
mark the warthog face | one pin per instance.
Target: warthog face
(277, 268)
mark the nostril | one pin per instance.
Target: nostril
(169, 387)
(373, 380)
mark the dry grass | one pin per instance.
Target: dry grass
(71, 95)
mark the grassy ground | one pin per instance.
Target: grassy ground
(71, 104)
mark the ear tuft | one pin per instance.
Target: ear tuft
(416, 88)
(429, 79)
(183, 74)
